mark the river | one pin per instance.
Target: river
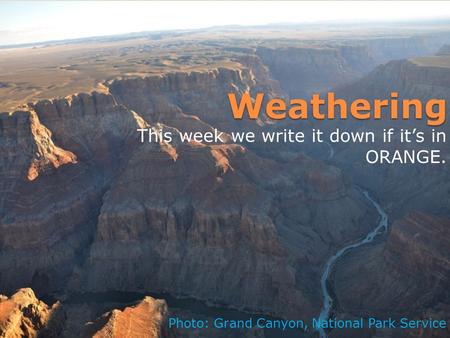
(381, 227)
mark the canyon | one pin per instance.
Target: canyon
(88, 209)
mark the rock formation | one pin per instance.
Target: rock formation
(147, 319)
(23, 315)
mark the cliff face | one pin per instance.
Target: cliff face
(408, 276)
(415, 264)
(52, 195)
(199, 216)
(94, 126)
(402, 188)
(27, 149)
(302, 71)
(196, 191)
(36, 141)
(108, 213)
(186, 100)
(396, 48)
(33, 171)
(410, 272)
(420, 77)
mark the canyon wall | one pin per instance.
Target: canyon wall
(402, 188)
(415, 264)
(408, 275)
(86, 207)
(304, 71)
(104, 212)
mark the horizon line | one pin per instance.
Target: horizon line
(436, 20)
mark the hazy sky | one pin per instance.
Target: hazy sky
(31, 21)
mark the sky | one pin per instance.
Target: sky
(33, 21)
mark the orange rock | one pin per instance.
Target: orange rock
(23, 315)
(147, 319)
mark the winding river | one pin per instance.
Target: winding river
(327, 300)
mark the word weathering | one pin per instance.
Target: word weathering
(360, 109)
